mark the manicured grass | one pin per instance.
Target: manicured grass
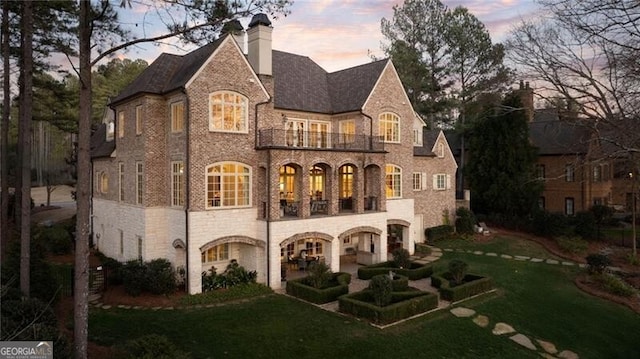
(537, 299)
(499, 244)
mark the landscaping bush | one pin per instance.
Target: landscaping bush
(423, 249)
(401, 258)
(134, 277)
(471, 285)
(161, 278)
(465, 220)
(439, 232)
(614, 285)
(56, 239)
(338, 285)
(399, 283)
(547, 224)
(380, 287)
(232, 276)
(40, 278)
(153, 346)
(574, 244)
(597, 263)
(415, 271)
(458, 270)
(319, 275)
(584, 225)
(403, 305)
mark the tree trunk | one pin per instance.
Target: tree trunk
(4, 133)
(81, 289)
(25, 126)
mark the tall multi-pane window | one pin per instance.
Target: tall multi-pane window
(389, 127)
(215, 254)
(287, 183)
(177, 116)
(316, 182)
(569, 209)
(597, 173)
(139, 120)
(540, 172)
(177, 183)
(347, 129)
(121, 181)
(319, 134)
(346, 181)
(139, 182)
(393, 181)
(103, 182)
(569, 173)
(228, 112)
(417, 181)
(440, 181)
(121, 124)
(228, 185)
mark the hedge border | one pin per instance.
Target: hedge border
(297, 288)
(476, 284)
(416, 272)
(404, 305)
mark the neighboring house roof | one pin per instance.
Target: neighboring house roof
(429, 139)
(100, 147)
(168, 72)
(553, 136)
(301, 84)
(454, 140)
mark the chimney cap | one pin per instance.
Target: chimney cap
(259, 19)
(233, 27)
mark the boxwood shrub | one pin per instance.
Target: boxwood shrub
(403, 305)
(439, 232)
(472, 285)
(423, 249)
(338, 285)
(415, 272)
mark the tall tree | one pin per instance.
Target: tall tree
(586, 53)
(26, 111)
(4, 133)
(417, 45)
(502, 168)
(109, 79)
(97, 26)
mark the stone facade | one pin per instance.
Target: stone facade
(273, 226)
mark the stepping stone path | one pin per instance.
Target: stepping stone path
(545, 348)
(507, 256)
(436, 253)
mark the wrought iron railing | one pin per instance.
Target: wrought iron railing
(275, 138)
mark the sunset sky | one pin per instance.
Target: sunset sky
(341, 33)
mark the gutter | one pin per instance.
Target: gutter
(187, 203)
(268, 209)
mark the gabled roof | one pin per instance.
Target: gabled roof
(301, 84)
(168, 72)
(429, 139)
(100, 147)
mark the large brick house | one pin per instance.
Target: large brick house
(220, 155)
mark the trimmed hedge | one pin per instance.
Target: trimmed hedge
(423, 249)
(403, 305)
(439, 232)
(473, 284)
(415, 272)
(399, 283)
(338, 285)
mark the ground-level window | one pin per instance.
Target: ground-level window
(177, 183)
(216, 254)
(441, 181)
(569, 209)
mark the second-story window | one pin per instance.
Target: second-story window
(569, 173)
(139, 182)
(228, 112)
(389, 127)
(393, 181)
(177, 116)
(121, 181)
(228, 185)
(139, 120)
(121, 124)
(177, 183)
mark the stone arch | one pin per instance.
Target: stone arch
(233, 239)
(401, 222)
(316, 235)
(178, 243)
(367, 229)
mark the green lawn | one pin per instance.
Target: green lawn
(537, 299)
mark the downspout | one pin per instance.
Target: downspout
(187, 203)
(268, 199)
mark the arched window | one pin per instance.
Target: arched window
(393, 181)
(103, 182)
(287, 183)
(316, 183)
(228, 185)
(228, 112)
(389, 127)
(216, 254)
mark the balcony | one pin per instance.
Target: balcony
(308, 140)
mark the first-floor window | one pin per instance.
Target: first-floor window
(418, 178)
(569, 206)
(121, 181)
(393, 181)
(139, 247)
(103, 182)
(216, 254)
(139, 182)
(541, 203)
(569, 173)
(228, 185)
(440, 182)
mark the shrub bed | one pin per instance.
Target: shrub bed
(439, 232)
(472, 285)
(403, 305)
(416, 271)
(301, 288)
(423, 249)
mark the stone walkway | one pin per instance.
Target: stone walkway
(522, 258)
(545, 348)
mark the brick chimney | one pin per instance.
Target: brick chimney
(526, 97)
(259, 44)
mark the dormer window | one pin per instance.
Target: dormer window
(228, 112)
(441, 150)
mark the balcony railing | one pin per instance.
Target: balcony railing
(273, 138)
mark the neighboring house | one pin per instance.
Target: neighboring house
(217, 155)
